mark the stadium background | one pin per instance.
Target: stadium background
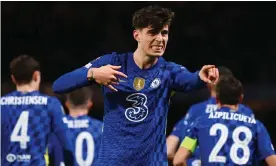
(67, 35)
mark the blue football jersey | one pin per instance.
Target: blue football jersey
(27, 120)
(193, 113)
(228, 137)
(135, 116)
(85, 135)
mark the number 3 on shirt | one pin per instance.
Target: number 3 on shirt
(238, 144)
(21, 125)
(138, 110)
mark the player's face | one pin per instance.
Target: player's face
(151, 42)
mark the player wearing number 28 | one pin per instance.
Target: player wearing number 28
(29, 117)
(227, 136)
(137, 88)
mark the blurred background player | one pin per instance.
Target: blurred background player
(85, 131)
(137, 89)
(28, 117)
(199, 109)
(227, 136)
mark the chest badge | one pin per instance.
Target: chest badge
(138, 83)
(155, 83)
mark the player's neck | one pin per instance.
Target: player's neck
(27, 87)
(76, 112)
(144, 61)
(232, 107)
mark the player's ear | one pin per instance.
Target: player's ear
(67, 104)
(37, 76)
(136, 35)
(241, 98)
(13, 79)
(89, 104)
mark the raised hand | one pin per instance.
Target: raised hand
(209, 74)
(106, 75)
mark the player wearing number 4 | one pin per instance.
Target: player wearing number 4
(85, 131)
(29, 117)
(227, 136)
(137, 88)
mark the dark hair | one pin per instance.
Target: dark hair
(154, 16)
(79, 97)
(229, 90)
(23, 68)
(224, 71)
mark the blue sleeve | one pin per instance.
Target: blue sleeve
(78, 78)
(184, 80)
(57, 125)
(264, 144)
(189, 121)
(55, 151)
(191, 129)
(180, 126)
(177, 128)
(185, 123)
(190, 140)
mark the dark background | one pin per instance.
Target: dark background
(67, 35)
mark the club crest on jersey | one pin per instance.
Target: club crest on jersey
(139, 83)
(155, 83)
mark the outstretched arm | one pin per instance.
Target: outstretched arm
(184, 80)
(71, 81)
(99, 71)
